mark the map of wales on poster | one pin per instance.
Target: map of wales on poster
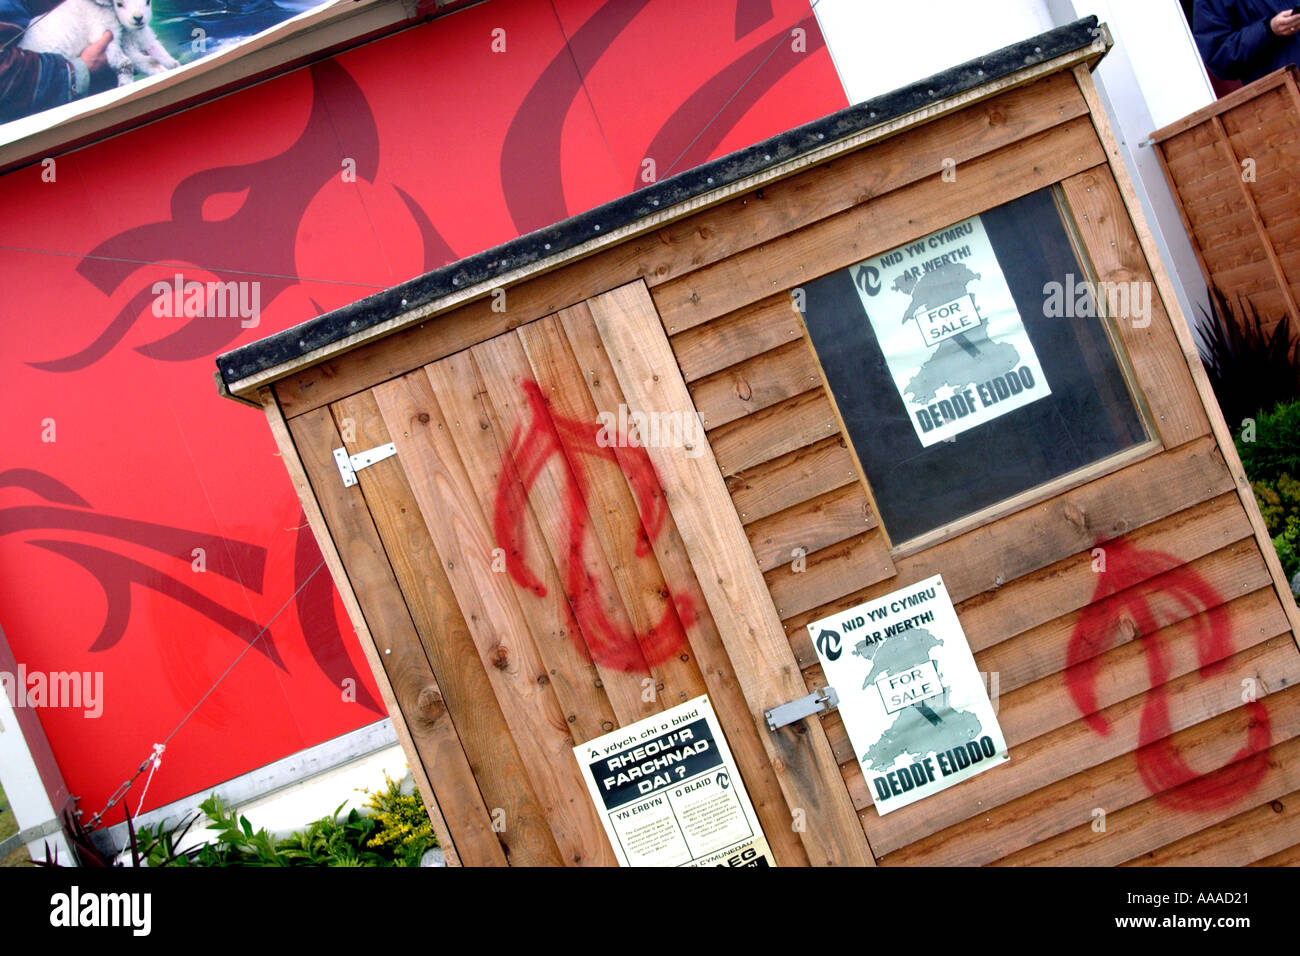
(912, 700)
(950, 331)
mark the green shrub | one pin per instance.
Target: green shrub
(396, 833)
(1279, 503)
(1285, 546)
(1270, 453)
(403, 824)
(331, 842)
(1275, 450)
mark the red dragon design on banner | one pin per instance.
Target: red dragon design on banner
(321, 186)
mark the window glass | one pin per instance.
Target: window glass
(971, 364)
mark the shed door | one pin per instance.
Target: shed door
(527, 527)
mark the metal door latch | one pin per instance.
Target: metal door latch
(349, 465)
(797, 710)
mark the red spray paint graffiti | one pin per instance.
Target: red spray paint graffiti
(1160, 764)
(609, 644)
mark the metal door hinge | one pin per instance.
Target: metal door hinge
(349, 465)
(796, 710)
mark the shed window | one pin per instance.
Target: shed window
(974, 364)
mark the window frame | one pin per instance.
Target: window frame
(1053, 487)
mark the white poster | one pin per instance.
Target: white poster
(912, 700)
(669, 794)
(950, 332)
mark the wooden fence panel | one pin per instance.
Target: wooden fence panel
(1232, 168)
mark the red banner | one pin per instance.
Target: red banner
(148, 530)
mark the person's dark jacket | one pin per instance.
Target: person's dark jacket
(1235, 40)
(30, 82)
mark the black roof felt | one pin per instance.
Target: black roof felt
(306, 337)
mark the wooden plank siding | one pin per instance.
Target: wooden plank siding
(694, 242)
(886, 221)
(719, 675)
(431, 457)
(544, 674)
(1242, 225)
(415, 688)
(445, 639)
(1026, 581)
(715, 543)
(1136, 637)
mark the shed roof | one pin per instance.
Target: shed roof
(317, 339)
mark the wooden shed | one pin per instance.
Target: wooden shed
(622, 463)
